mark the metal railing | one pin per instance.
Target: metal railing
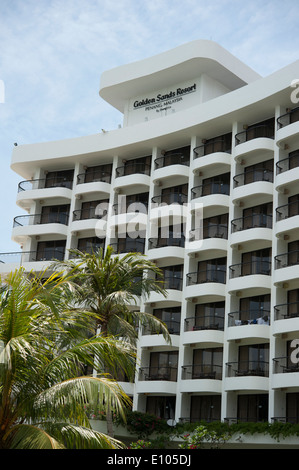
(284, 365)
(287, 163)
(170, 198)
(249, 317)
(168, 373)
(253, 176)
(55, 182)
(129, 245)
(251, 221)
(210, 231)
(287, 259)
(39, 219)
(22, 257)
(173, 327)
(288, 118)
(176, 158)
(249, 268)
(247, 368)
(207, 275)
(163, 242)
(286, 311)
(173, 282)
(93, 177)
(204, 322)
(90, 213)
(130, 207)
(254, 132)
(202, 371)
(287, 210)
(206, 189)
(131, 168)
(220, 145)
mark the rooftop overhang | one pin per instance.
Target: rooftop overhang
(164, 70)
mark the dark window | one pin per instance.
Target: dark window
(205, 408)
(253, 408)
(49, 250)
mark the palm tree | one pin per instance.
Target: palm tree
(44, 350)
(108, 285)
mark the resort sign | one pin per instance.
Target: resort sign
(163, 102)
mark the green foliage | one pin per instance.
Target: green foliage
(145, 424)
(140, 444)
(203, 437)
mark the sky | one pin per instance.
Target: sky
(53, 52)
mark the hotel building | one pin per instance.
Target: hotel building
(204, 170)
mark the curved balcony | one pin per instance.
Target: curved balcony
(158, 380)
(251, 229)
(39, 224)
(129, 245)
(207, 329)
(286, 267)
(285, 373)
(135, 174)
(50, 188)
(89, 219)
(252, 276)
(286, 318)
(217, 245)
(249, 324)
(212, 196)
(212, 154)
(169, 204)
(288, 127)
(247, 375)
(256, 184)
(204, 377)
(173, 249)
(287, 218)
(175, 158)
(209, 284)
(97, 184)
(258, 131)
(171, 165)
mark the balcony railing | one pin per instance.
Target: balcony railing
(202, 371)
(55, 182)
(220, 145)
(211, 231)
(96, 176)
(287, 210)
(206, 275)
(253, 176)
(176, 158)
(287, 259)
(163, 242)
(85, 214)
(249, 317)
(286, 311)
(285, 419)
(288, 118)
(173, 282)
(131, 168)
(31, 256)
(129, 245)
(206, 189)
(131, 207)
(204, 322)
(254, 132)
(287, 163)
(170, 198)
(173, 327)
(247, 368)
(251, 221)
(36, 219)
(249, 268)
(168, 373)
(284, 365)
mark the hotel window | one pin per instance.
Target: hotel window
(55, 214)
(256, 262)
(62, 179)
(49, 250)
(213, 270)
(216, 185)
(215, 227)
(207, 363)
(161, 406)
(292, 405)
(171, 317)
(163, 365)
(255, 310)
(259, 172)
(258, 216)
(293, 303)
(100, 173)
(253, 360)
(253, 408)
(205, 408)
(137, 165)
(173, 277)
(177, 194)
(209, 316)
(91, 244)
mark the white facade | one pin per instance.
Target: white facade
(203, 130)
